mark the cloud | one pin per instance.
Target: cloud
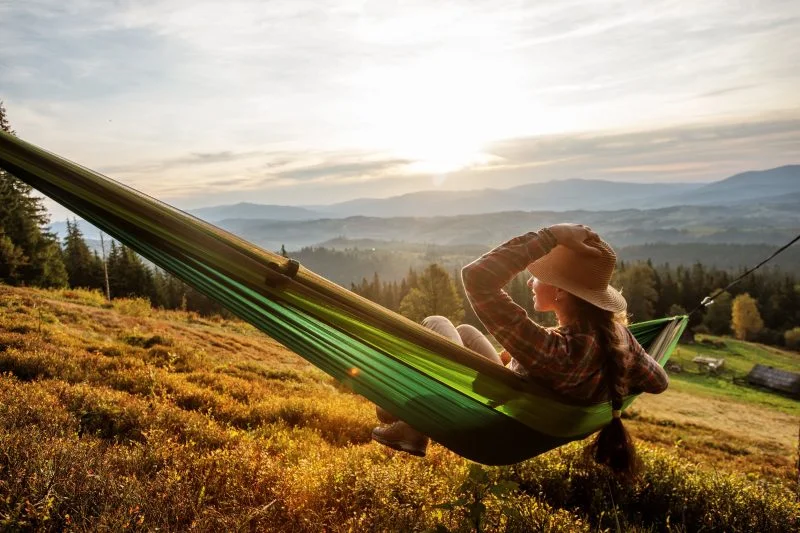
(335, 170)
(699, 152)
(329, 100)
(182, 162)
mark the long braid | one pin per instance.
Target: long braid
(613, 445)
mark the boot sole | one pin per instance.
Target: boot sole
(399, 446)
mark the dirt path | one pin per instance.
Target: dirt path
(749, 421)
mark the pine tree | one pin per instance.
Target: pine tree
(81, 264)
(435, 294)
(11, 259)
(29, 253)
(127, 273)
(638, 286)
(718, 315)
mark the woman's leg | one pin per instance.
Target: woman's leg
(398, 434)
(437, 324)
(472, 338)
(443, 326)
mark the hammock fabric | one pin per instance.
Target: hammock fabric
(476, 408)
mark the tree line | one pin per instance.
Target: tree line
(30, 254)
(763, 307)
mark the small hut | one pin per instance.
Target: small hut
(774, 379)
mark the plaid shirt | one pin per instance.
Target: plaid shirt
(567, 361)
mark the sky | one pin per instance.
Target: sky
(305, 102)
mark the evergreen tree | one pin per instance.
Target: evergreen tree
(718, 315)
(435, 294)
(637, 282)
(47, 267)
(668, 291)
(469, 314)
(29, 253)
(82, 266)
(127, 273)
(11, 259)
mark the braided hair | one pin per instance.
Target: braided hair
(613, 445)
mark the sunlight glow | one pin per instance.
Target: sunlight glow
(441, 110)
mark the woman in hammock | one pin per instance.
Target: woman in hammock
(591, 356)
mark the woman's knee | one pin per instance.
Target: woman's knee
(477, 342)
(442, 326)
(436, 322)
(468, 330)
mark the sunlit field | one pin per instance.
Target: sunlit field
(118, 416)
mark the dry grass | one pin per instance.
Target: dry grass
(722, 434)
(119, 417)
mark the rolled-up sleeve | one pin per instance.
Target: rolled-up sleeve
(533, 346)
(646, 374)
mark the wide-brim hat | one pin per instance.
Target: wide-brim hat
(586, 275)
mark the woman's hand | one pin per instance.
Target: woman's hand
(575, 236)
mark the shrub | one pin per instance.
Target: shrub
(92, 297)
(792, 338)
(136, 307)
(671, 493)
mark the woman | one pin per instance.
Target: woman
(591, 356)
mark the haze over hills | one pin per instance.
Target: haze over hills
(752, 208)
(766, 186)
(748, 224)
(248, 210)
(565, 195)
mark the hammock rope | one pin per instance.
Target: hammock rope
(708, 300)
(474, 407)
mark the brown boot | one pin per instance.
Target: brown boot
(403, 437)
(384, 416)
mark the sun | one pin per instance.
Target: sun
(441, 160)
(441, 111)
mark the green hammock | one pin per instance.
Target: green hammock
(476, 408)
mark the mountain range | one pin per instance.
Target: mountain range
(777, 185)
(760, 207)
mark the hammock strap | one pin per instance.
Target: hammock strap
(708, 300)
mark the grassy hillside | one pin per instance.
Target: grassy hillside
(730, 382)
(121, 416)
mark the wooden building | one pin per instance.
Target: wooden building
(774, 379)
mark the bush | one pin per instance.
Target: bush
(769, 336)
(92, 297)
(136, 307)
(792, 338)
(672, 493)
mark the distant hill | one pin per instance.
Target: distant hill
(564, 195)
(747, 224)
(778, 188)
(757, 207)
(764, 186)
(754, 186)
(256, 211)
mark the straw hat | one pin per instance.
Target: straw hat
(585, 275)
